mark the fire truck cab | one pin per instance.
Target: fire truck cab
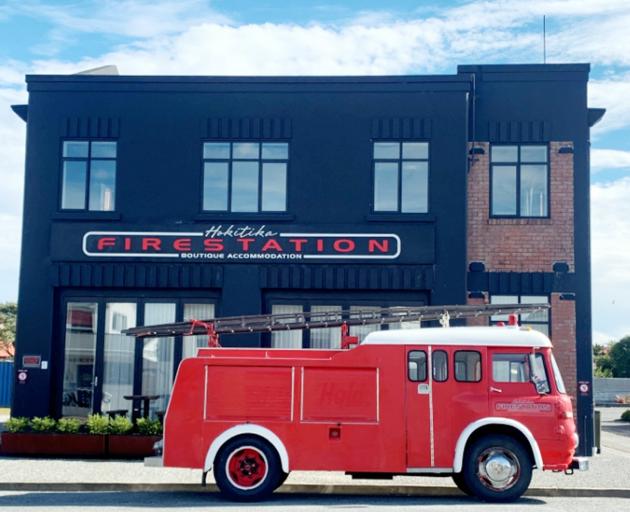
(484, 405)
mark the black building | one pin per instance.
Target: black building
(162, 198)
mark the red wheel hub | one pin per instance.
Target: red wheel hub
(247, 467)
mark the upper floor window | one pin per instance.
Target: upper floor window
(89, 175)
(245, 176)
(519, 182)
(538, 320)
(401, 177)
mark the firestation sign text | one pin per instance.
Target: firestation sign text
(240, 244)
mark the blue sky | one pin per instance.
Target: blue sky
(227, 37)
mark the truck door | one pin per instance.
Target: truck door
(418, 393)
(519, 389)
(459, 397)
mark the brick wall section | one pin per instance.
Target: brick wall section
(482, 320)
(563, 339)
(521, 245)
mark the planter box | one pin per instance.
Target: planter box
(131, 446)
(45, 444)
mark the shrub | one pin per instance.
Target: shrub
(149, 427)
(120, 425)
(68, 425)
(625, 415)
(46, 424)
(97, 424)
(17, 424)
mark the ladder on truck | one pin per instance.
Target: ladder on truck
(343, 319)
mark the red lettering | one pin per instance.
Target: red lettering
(245, 242)
(272, 244)
(127, 243)
(320, 245)
(382, 246)
(105, 242)
(151, 243)
(298, 243)
(213, 244)
(182, 244)
(344, 245)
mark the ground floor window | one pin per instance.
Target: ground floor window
(103, 368)
(328, 338)
(539, 320)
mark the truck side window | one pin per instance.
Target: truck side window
(417, 366)
(467, 366)
(440, 366)
(510, 368)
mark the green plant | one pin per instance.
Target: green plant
(120, 425)
(17, 424)
(625, 415)
(149, 427)
(97, 424)
(46, 424)
(68, 425)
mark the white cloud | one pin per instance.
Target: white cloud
(609, 159)
(610, 247)
(130, 18)
(611, 94)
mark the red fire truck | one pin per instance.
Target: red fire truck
(485, 405)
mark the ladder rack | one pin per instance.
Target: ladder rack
(325, 319)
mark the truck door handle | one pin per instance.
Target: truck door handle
(495, 390)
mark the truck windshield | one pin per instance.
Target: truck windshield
(557, 376)
(539, 374)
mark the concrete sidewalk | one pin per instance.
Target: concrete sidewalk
(608, 476)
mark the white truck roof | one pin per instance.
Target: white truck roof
(482, 336)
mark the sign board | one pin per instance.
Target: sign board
(250, 243)
(31, 361)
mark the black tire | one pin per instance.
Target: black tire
(497, 468)
(283, 477)
(247, 468)
(458, 478)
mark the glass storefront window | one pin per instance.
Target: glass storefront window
(79, 358)
(286, 339)
(196, 312)
(157, 357)
(118, 361)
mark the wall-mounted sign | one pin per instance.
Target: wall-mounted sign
(31, 361)
(369, 243)
(233, 243)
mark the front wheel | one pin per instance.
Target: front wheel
(458, 478)
(497, 468)
(247, 469)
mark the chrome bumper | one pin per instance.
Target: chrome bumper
(580, 463)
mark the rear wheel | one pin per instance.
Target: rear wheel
(497, 468)
(247, 469)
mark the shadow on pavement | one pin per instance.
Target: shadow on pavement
(620, 428)
(206, 499)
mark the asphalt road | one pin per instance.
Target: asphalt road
(46, 501)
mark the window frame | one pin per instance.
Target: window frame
(426, 366)
(518, 163)
(480, 366)
(88, 173)
(446, 377)
(260, 162)
(399, 162)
